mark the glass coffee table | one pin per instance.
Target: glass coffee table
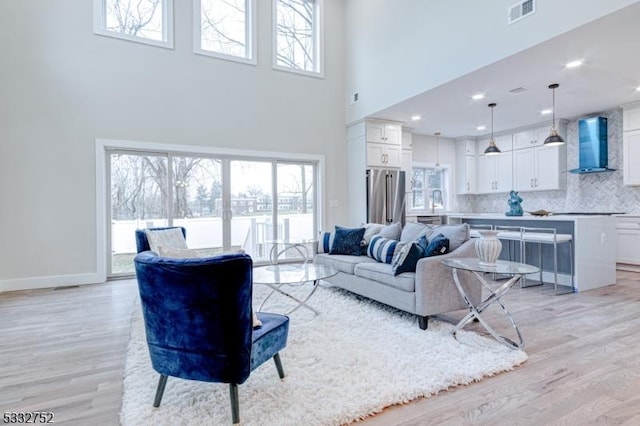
(513, 269)
(294, 275)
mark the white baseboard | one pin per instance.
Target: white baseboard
(33, 283)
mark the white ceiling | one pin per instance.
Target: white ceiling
(609, 77)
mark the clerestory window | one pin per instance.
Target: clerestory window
(297, 38)
(225, 29)
(142, 21)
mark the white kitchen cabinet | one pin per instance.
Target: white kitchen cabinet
(530, 138)
(503, 142)
(539, 169)
(631, 118)
(407, 168)
(495, 173)
(466, 170)
(631, 145)
(631, 157)
(383, 132)
(628, 229)
(383, 155)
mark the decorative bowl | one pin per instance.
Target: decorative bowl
(540, 213)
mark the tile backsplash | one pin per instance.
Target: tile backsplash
(592, 192)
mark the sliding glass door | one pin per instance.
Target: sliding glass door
(224, 203)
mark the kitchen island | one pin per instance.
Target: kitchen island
(594, 245)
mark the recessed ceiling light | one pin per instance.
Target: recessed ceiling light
(638, 89)
(416, 117)
(546, 111)
(574, 64)
(481, 128)
(478, 96)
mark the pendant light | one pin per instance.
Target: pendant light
(437, 149)
(492, 149)
(554, 138)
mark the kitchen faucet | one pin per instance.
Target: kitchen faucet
(433, 199)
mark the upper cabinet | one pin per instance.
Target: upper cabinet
(631, 118)
(384, 144)
(631, 145)
(495, 173)
(466, 174)
(530, 138)
(383, 132)
(539, 169)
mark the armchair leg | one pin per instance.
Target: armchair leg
(423, 322)
(160, 390)
(276, 359)
(235, 403)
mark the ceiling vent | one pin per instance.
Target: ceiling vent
(521, 10)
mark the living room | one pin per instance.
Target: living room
(64, 87)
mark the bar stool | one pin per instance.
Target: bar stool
(548, 236)
(511, 234)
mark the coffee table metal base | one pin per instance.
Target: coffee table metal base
(277, 288)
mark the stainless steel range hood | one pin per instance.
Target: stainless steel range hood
(593, 146)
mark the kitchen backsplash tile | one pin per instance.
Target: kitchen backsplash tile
(593, 192)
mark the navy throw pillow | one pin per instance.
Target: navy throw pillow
(347, 241)
(407, 258)
(437, 246)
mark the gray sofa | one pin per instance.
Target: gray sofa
(428, 291)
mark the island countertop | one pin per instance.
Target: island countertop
(502, 216)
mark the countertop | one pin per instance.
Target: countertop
(526, 216)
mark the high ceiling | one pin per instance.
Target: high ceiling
(608, 78)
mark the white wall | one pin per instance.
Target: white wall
(61, 87)
(399, 49)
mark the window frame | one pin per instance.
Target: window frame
(100, 25)
(318, 42)
(446, 188)
(250, 26)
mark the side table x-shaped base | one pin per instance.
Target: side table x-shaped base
(494, 297)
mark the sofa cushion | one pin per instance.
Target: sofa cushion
(457, 234)
(407, 258)
(437, 246)
(383, 273)
(383, 249)
(347, 241)
(392, 231)
(341, 262)
(412, 231)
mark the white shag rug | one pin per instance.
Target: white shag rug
(353, 360)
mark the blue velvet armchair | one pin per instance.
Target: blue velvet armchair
(198, 319)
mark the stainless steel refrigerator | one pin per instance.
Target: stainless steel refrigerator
(385, 196)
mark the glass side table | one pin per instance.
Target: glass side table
(514, 269)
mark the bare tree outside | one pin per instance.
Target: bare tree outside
(142, 18)
(295, 34)
(224, 26)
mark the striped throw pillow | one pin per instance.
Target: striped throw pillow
(325, 241)
(382, 249)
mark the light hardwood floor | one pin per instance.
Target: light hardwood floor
(63, 350)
